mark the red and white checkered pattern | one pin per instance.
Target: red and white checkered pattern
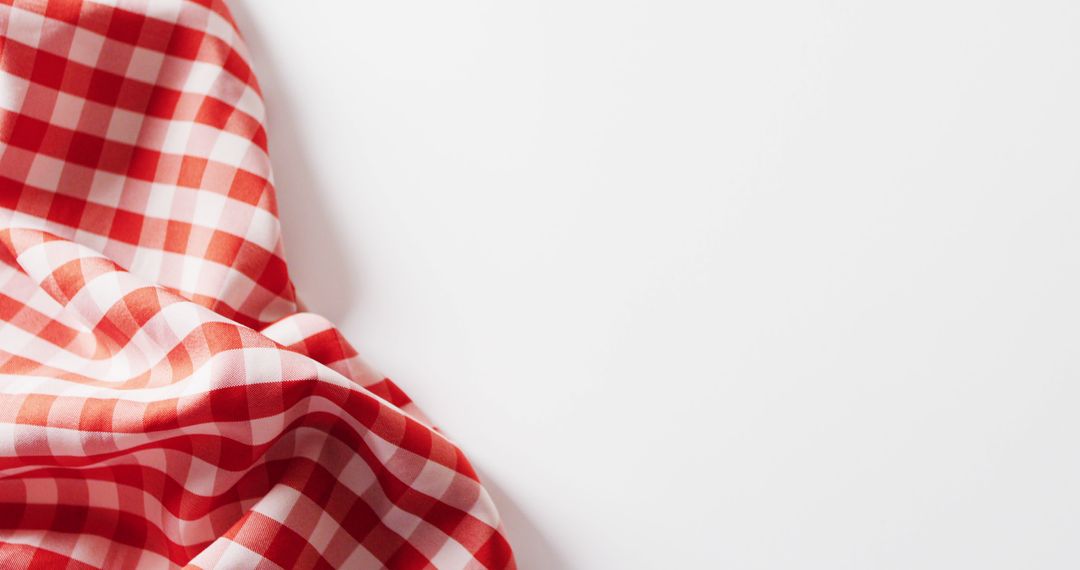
(163, 399)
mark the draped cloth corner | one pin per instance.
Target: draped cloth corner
(164, 400)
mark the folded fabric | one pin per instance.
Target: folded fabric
(164, 400)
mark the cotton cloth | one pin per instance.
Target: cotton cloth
(164, 400)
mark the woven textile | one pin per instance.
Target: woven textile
(164, 400)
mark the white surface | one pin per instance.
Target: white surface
(708, 284)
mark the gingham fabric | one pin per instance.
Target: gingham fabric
(164, 400)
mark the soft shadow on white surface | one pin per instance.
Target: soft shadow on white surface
(323, 272)
(532, 549)
(315, 249)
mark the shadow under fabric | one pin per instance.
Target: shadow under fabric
(164, 399)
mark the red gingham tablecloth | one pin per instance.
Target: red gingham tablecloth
(164, 401)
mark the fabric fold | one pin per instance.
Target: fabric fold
(164, 401)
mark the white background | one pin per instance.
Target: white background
(779, 284)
